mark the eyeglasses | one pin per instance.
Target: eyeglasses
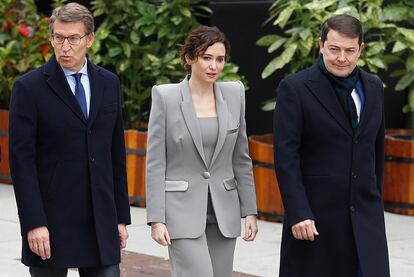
(73, 40)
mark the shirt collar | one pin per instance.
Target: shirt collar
(84, 70)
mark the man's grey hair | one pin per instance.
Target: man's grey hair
(72, 12)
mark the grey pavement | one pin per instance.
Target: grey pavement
(260, 257)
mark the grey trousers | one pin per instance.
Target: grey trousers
(210, 255)
(101, 271)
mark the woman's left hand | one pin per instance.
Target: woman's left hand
(250, 228)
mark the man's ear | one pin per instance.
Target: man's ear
(320, 45)
(91, 38)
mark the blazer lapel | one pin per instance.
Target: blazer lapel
(96, 82)
(59, 85)
(320, 87)
(190, 118)
(222, 113)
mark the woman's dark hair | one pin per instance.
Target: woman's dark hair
(197, 42)
(343, 24)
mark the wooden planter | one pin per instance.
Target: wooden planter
(269, 201)
(5, 176)
(398, 191)
(136, 145)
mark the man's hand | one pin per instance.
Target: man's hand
(250, 228)
(159, 233)
(123, 235)
(39, 243)
(305, 230)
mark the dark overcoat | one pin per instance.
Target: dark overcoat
(68, 172)
(328, 174)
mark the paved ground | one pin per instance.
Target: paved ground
(145, 258)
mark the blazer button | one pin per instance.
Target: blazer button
(206, 175)
(92, 159)
(352, 208)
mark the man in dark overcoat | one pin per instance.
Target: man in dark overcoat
(67, 157)
(329, 155)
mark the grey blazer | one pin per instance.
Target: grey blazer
(177, 175)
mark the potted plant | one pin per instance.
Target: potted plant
(24, 45)
(389, 45)
(139, 40)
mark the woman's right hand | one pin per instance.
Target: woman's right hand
(159, 233)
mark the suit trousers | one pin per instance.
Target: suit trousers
(100, 271)
(210, 255)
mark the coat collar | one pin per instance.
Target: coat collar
(321, 88)
(57, 81)
(191, 120)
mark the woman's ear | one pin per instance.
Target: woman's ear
(188, 60)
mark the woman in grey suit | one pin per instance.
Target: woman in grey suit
(199, 173)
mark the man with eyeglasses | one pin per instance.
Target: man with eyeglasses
(67, 157)
(329, 157)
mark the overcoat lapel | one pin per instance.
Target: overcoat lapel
(96, 82)
(190, 118)
(321, 88)
(222, 113)
(370, 100)
(59, 85)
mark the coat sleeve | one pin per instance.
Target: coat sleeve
(156, 159)
(287, 136)
(22, 149)
(119, 166)
(242, 166)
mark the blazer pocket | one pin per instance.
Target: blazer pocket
(230, 183)
(111, 108)
(176, 185)
(233, 130)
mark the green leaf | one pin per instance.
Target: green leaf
(394, 13)
(152, 58)
(409, 64)
(147, 19)
(176, 19)
(267, 40)
(134, 37)
(319, 4)
(284, 16)
(404, 82)
(280, 61)
(115, 51)
(411, 99)
(269, 105)
(148, 30)
(99, 12)
(276, 45)
(398, 46)
(186, 12)
(407, 33)
(305, 33)
(374, 48)
(397, 73)
(127, 49)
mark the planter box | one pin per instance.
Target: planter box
(398, 191)
(269, 201)
(5, 176)
(136, 145)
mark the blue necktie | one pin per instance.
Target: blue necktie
(80, 94)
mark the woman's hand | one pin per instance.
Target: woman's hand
(250, 228)
(159, 233)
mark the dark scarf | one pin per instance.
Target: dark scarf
(343, 88)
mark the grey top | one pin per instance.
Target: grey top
(209, 135)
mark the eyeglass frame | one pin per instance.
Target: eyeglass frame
(67, 38)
